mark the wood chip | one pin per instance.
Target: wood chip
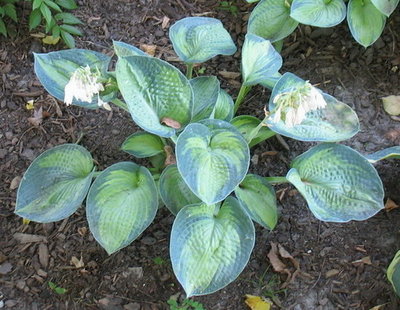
(15, 183)
(229, 74)
(165, 22)
(363, 261)
(78, 263)
(43, 255)
(331, 273)
(28, 238)
(149, 49)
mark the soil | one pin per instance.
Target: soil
(342, 265)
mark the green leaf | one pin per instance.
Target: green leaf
(44, 9)
(70, 42)
(68, 4)
(336, 122)
(197, 39)
(55, 184)
(213, 158)
(71, 29)
(143, 144)
(271, 20)
(55, 69)
(121, 204)
(123, 49)
(386, 7)
(390, 152)
(35, 18)
(318, 13)
(174, 192)
(155, 91)
(338, 183)
(53, 5)
(223, 108)
(36, 4)
(210, 247)
(258, 198)
(9, 10)
(393, 273)
(365, 21)
(50, 25)
(206, 92)
(68, 18)
(55, 32)
(246, 123)
(259, 60)
(271, 81)
(3, 28)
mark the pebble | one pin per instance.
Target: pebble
(28, 154)
(9, 135)
(3, 153)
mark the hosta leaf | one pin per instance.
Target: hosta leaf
(206, 91)
(121, 204)
(258, 198)
(390, 152)
(55, 184)
(259, 60)
(210, 249)
(213, 158)
(197, 39)
(318, 13)
(365, 21)
(223, 108)
(123, 49)
(336, 122)
(393, 273)
(143, 144)
(386, 7)
(154, 91)
(246, 123)
(338, 183)
(55, 69)
(270, 82)
(271, 20)
(174, 192)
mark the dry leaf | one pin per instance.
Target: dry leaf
(78, 263)
(391, 104)
(379, 307)
(30, 105)
(28, 238)
(51, 40)
(43, 255)
(390, 205)
(25, 221)
(257, 303)
(363, 261)
(170, 158)
(37, 118)
(149, 49)
(165, 22)
(171, 123)
(15, 183)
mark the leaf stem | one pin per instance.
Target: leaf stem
(277, 180)
(96, 174)
(255, 131)
(244, 90)
(174, 138)
(189, 70)
(119, 103)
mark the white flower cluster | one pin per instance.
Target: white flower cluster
(293, 106)
(83, 85)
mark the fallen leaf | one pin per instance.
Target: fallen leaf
(391, 104)
(257, 303)
(363, 261)
(149, 49)
(170, 158)
(15, 183)
(165, 22)
(37, 118)
(379, 307)
(43, 255)
(78, 263)
(28, 238)
(171, 123)
(30, 105)
(25, 221)
(50, 40)
(390, 205)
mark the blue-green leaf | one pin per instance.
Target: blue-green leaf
(55, 184)
(336, 122)
(393, 273)
(318, 13)
(56, 68)
(260, 60)
(390, 152)
(155, 92)
(246, 124)
(270, 82)
(210, 248)
(338, 183)
(197, 39)
(121, 204)
(213, 158)
(223, 109)
(271, 20)
(173, 190)
(206, 91)
(386, 7)
(365, 21)
(123, 49)
(143, 144)
(258, 198)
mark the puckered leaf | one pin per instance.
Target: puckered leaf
(157, 94)
(55, 69)
(386, 7)
(55, 184)
(271, 20)
(206, 91)
(174, 192)
(260, 60)
(197, 39)
(123, 49)
(210, 248)
(246, 124)
(336, 122)
(393, 273)
(223, 109)
(390, 152)
(213, 158)
(338, 183)
(143, 144)
(121, 204)
(318, 13)
(258, 198)
(365, 21)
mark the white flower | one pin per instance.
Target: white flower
(292, 106)
(84, 85)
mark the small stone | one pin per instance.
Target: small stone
(11, 303)
(9, 135)
(5, 268)
(132, 306)
(20, 284)
(3, 153)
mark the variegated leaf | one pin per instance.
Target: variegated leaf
(143, 144)
(246, 124)
(386, 7)
(206, 91)
(393, 273)
(123, 49)
(390, 152)
(223, 109)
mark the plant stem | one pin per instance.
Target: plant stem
(244, 90)
(174, 138)
(276, 180)
(255, 131)
(119, 103)
(189, 70)
(96, 173)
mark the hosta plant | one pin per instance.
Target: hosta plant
(276, 19)
(200, 152)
